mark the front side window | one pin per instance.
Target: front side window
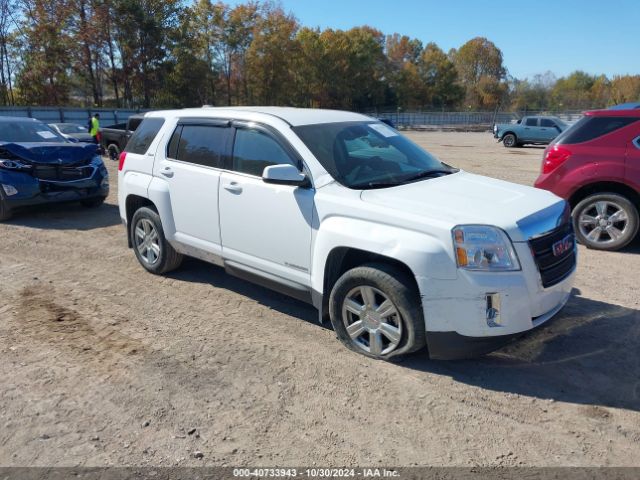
(200, 144)
(368, 154)
(254, 150)
(532, 122)
(143, 137)
(545, 122)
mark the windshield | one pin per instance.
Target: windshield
(369, 154)
(26, 132)
(70, 128)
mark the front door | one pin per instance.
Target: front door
(264, 226)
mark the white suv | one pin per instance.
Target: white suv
(398, 249)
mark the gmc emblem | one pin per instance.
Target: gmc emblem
(563, 246)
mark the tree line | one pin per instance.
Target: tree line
(165, 53)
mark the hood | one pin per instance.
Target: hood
(49, 153)
(465, 198)
(81, 137)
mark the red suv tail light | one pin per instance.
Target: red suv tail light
(121, 159)
(555, 157)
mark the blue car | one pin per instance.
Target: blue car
(38, 166)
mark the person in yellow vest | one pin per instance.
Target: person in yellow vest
(94, 129)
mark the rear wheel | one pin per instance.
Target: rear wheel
(375, 310)
(113, 151)
(605, 221)
(152, 249)
(510, 140)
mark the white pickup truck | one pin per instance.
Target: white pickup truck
(399, 250)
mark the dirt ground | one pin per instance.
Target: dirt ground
(103, 364)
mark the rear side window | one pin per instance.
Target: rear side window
(254, 151)
(144, 135)
(532, 122)
(199, 144)
(588, 128)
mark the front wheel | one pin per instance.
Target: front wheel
(152, 249)
(510, 140)
(5, 211)
(605, 221)
(375, 310)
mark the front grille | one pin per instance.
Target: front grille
(58, 173)
(554, 260)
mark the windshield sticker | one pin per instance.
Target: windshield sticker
(384, 130)
(46, 134)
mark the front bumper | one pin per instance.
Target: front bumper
(456, 311)
(33, 191)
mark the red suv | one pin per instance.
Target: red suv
(595, 165)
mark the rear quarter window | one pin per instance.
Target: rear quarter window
(144, 135)
(589, 128)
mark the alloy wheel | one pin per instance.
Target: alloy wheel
(372, 320)
(147, 241)
(603, 222)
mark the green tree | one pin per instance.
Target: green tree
(573, 92)
(440, 78)
(403, 72)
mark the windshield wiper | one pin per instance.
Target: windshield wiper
(428, 174)
(374, 184)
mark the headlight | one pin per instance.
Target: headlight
(484, 248)
(495, 129)
(13, 164)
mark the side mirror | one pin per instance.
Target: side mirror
(285, 175)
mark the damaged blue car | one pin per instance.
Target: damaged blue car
(38, 166)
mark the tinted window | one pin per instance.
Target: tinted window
(588, 128)
(200, 144)
(253, 151)
(545, 122)
(532, 122)
(144, 135)
(28, 132)
(172, 148)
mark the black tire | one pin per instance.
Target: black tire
(113, 151)
(510, 140)
(400, 290)
(605, 241)
(167, 258)
(93, 202)
(5, 211)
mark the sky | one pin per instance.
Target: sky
(597, 36)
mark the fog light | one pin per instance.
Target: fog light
(9, 189)
(493, 310)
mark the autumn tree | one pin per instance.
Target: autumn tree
(404, 75)
(44, 75)
(271, 58)
(481, 71)
(8, 32)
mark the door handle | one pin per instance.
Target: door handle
(167, 172)
(232, 187)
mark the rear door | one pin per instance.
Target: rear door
(632, 164)
(191, 167)
(548, 129)
(531, 130)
